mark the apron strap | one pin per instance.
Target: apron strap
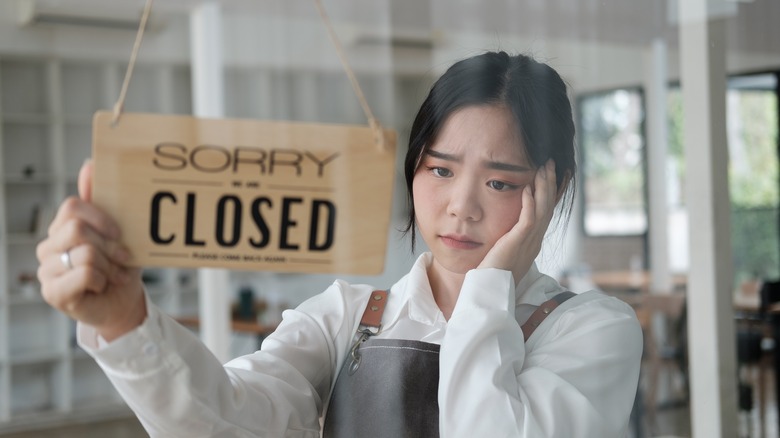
(370, 325)
(372, 316)
(541, 313)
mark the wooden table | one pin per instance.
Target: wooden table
(627, 280)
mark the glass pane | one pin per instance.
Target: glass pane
(613, 163)
(752, 129)
(753, 177)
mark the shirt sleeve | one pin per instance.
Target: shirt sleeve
(178, 388)
(577, 378)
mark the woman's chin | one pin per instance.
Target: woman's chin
(457, 267)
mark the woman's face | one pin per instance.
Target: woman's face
(467, 188)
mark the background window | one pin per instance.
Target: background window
(752, 129)
(612, 141)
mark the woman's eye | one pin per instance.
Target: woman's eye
(441, 172)
(501, 186)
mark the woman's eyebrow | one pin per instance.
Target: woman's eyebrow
(494, 165)
(497, 165)
(442, 155)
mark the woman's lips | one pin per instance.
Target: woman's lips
(459, 242)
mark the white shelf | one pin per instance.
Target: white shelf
(26, 118)
(45, 135)
(23, 239)
(18, 299)
(25, 180)
(17, 358)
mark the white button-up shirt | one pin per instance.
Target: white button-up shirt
(576, 376)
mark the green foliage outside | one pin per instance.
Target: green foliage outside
(754, 242)
(754, 182)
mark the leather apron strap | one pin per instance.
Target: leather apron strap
(541, 313)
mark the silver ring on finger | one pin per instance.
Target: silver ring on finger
(65, 259)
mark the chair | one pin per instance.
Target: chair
(668, 352)
(770, 294)
(769, 312)
(751, 360)
(755, 335)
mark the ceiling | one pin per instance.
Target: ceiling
(625, 22)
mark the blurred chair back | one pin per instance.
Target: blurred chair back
(669, 352)
(753, 352)
(770, 294)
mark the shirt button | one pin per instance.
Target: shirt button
(150, 349)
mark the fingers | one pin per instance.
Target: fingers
(68, 289)
(76, 233)
(82, 256)
(71, 285)
(96, 257)
(85, 181)
(528, 211)
(517, 249)
(545, 191)
(75, 208)
(538, 203)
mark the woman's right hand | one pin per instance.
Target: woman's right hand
(96, 288)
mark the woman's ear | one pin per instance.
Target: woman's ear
(564, 185)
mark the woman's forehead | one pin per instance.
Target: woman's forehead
(489, 132)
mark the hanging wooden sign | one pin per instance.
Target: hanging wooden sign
(244, 194)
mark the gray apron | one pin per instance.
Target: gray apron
(392, 393)
(388, 388)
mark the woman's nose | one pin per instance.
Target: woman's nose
(464, 203)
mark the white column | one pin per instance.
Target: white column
(657, 145)
(208, 101)
(710, 313)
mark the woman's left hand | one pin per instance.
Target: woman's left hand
(517, 249)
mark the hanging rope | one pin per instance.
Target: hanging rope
(372, 121)
(119, 106)
(379, 137)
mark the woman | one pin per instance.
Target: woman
(491, 155)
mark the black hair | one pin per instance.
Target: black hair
(534, 93)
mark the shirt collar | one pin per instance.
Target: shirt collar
(416, 295)
(415, 292)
